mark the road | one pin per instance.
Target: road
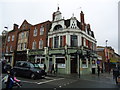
(68, 82)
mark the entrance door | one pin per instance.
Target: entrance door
(73, 65)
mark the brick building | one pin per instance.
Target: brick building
(3, 40)
(38, 41)
(11, 43)
(109, 57)
(23, 41)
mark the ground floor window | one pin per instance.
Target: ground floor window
(85, 63)
(60, 62)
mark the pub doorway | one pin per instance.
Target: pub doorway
(73, 64)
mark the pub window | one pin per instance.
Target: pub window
(61, 41)
(60, 62)
(74, 41)
(56, 42)
(84, 63)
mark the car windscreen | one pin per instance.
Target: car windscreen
(32, 65)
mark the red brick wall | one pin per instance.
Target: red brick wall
(39, 37)
(12, 43)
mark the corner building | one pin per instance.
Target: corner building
(71, 46)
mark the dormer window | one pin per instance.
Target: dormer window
(73, 26)
(57, 27)
(90, 33)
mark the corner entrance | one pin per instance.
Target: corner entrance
(73, 64)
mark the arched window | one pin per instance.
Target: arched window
(57, 27)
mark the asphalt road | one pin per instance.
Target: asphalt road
(60, 82)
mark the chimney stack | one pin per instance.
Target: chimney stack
(82, 17)
(88, 27)
(15, 27)
(82, 20)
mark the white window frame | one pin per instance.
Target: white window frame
(41, 30)
(34, 45)
(13, 37)
(22, 35)
(35, 32)
(8, 38)
(24, 46)
(40, 44)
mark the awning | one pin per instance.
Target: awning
(114, 60)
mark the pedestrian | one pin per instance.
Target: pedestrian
(98, 70)
(115, 74)
(52, 69)
(44, 67)
(10, 82)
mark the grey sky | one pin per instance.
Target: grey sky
(101, 14)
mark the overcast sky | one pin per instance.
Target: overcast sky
(102, 15)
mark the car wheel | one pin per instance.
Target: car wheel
(32, 76)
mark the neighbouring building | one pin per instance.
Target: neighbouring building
(23, 41)
(3, 44)
(38, 39)
(10, 44)
(109, 57)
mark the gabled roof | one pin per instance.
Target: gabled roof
(67, 23)
(24, 22)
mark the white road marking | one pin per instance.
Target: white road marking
(28, 82)
(50, 81)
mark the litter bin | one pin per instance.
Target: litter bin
(93, 70)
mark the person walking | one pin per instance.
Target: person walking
(115, 74)
(98, 70)
(10, 82)
(44, 67)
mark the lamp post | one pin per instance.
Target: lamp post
(80, 58)
(107, 60)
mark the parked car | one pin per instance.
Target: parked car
(28, 69)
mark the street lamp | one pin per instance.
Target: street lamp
(106, 43)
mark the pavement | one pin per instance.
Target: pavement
(104, 77)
